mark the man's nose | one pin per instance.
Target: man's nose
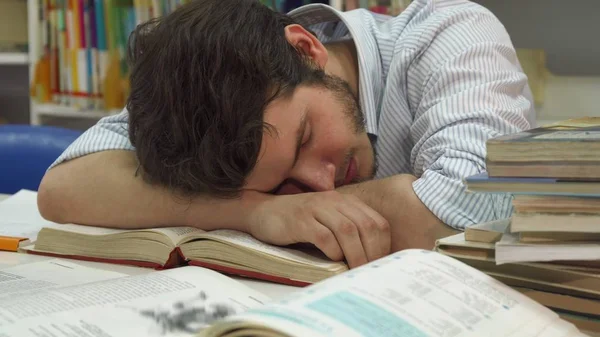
(321, 178)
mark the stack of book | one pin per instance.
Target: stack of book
(550, 249)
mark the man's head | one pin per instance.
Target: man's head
(229, 95)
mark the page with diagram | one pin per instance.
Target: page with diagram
(175, 302)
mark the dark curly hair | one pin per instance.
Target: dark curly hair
(201, 78)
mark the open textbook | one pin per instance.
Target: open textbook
(97, 303)
(223, 250)
(411, 293)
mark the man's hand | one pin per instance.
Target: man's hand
(339, 225)
(412, 224)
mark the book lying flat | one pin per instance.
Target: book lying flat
(555, 222)
(574, 170)
(483, 183)
(488, 232)
(19, 222)
(540, 237)
(510, 250)
(553, 276)
(410, 293)
(556, 204)
(223, 250)
(568, 149)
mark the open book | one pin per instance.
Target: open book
(411, 293)
(228, 251)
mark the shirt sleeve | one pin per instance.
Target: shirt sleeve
(110, 133)
(466, 87)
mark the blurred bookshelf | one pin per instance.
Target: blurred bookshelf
(57, 92)
(77, 50)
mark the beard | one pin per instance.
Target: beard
(342, 92)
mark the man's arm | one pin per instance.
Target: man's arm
(94, 182)
(465, 87)
(102, 189)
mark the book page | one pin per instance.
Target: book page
(172, 234)
(458, 240)
(314, 257)
(180, 234)
(27, 278)
(411, 293)
(20, 217)
(175, 302)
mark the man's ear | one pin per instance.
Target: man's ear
(303, 40)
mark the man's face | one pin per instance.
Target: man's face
(318, 142)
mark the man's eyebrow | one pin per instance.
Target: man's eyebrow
(299, 136)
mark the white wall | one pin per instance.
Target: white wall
(569, 33)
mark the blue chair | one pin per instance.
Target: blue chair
(27, 151)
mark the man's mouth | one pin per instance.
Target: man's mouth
(351, 171)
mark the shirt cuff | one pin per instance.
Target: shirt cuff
(448, 199)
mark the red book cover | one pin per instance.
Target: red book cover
(174, 260)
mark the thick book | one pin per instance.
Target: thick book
(483, 183)
(555, 222)
(227, 251)
(487, 232)
(568, 149)
(510, 250)
(556, 204)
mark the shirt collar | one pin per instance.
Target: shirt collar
(369, 63)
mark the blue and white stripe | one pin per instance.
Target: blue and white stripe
(436, 82)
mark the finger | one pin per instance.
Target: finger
(367, 229)
(382, 227)
(346, 235)
(324, 239)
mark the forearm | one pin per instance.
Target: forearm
(90, 191)
(412, 224)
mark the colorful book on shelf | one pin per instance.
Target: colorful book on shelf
(82, 62)
(569, 149)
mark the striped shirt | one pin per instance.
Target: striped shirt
(435, 83)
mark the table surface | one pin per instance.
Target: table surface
(8, 259)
